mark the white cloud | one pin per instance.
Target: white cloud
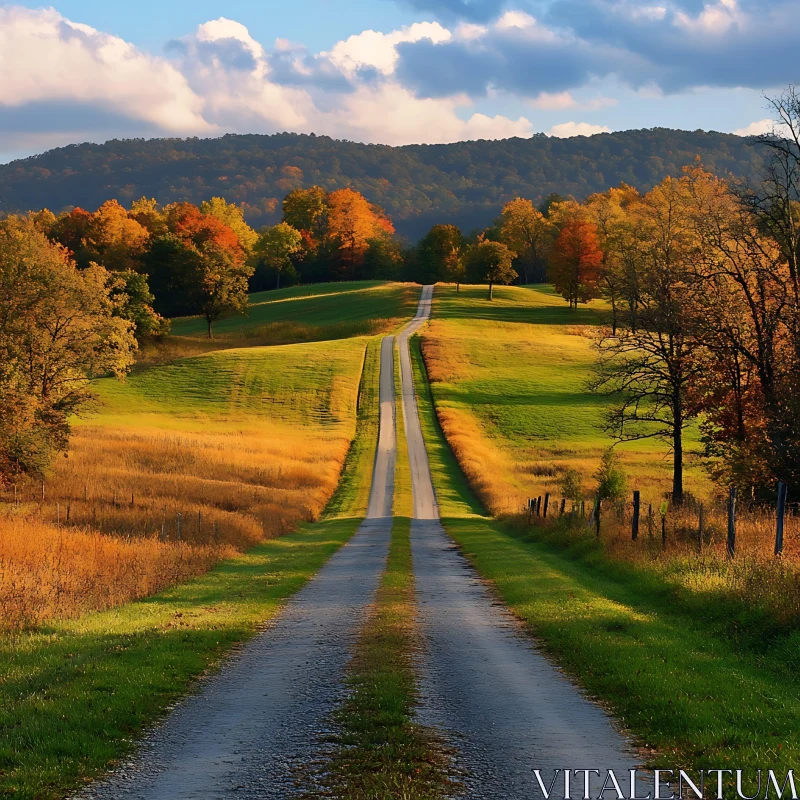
(378, 50)
(756, 128)
(566, 129)
(561, 101)
(47, 59)
(515, 19)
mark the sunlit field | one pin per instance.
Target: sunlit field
(192, 460)
(319, 312)
(509, 377)
(509, 381)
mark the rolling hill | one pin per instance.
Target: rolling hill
(464, 183)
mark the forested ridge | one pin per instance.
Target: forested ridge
(465, 183)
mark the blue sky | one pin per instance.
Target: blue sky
(391, 71)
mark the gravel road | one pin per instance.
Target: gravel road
(505, 708)
(503, 705)
(248, 728)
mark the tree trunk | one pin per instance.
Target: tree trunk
(458, 288)
(613, 315)
(677, 451)
(210, 323)
(278, 285)
(490, 290)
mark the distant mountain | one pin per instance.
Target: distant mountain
(464, 183)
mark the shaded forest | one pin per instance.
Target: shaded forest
(465, 184)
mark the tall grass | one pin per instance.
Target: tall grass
(183, 465)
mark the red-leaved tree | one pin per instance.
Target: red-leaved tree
(576, 261)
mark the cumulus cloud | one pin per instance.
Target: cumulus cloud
(57, 72)
(567, 129)
(756, 128)
(65, 82)
(673, 45)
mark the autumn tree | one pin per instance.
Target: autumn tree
(529, 234)
(490, 262)
(440, 255)
(233, 216)
(273, 254)
(72, 229)
(57, 331)
(115, 240)
(352, 223)
(306, 210)
(576, 261)
(650, 369)
(199, 266)
(610, 211)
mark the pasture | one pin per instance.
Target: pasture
(509, 379)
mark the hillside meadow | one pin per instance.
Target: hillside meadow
(509, 379)
(194, 459)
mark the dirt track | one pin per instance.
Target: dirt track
(504, 706)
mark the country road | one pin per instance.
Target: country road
(505, 708)
(251, 727)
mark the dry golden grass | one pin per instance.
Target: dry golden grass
(234, 446)
(49, 572)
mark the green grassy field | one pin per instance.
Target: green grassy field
(311, 313)
(698, 680)
(74, 693)
(509, 377)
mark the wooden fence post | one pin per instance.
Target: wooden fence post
(539, 506)
(546, 503)
(663, 509)
(732, 522)
(635, 521)
(700, 526)
(583, 509)
(563, 505)
(530, 510)
(597, 503)
(781, 513)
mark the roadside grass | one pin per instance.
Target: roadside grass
(509, 377)
(242, 444)
(698, 681)
(75, 694)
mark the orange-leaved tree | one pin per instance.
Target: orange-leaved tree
(352, 222)
(576, 262)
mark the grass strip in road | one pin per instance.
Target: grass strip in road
(692, 697)
(75, 695)
(381, 752)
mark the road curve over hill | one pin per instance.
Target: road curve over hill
(251, 726)
(505, 707)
